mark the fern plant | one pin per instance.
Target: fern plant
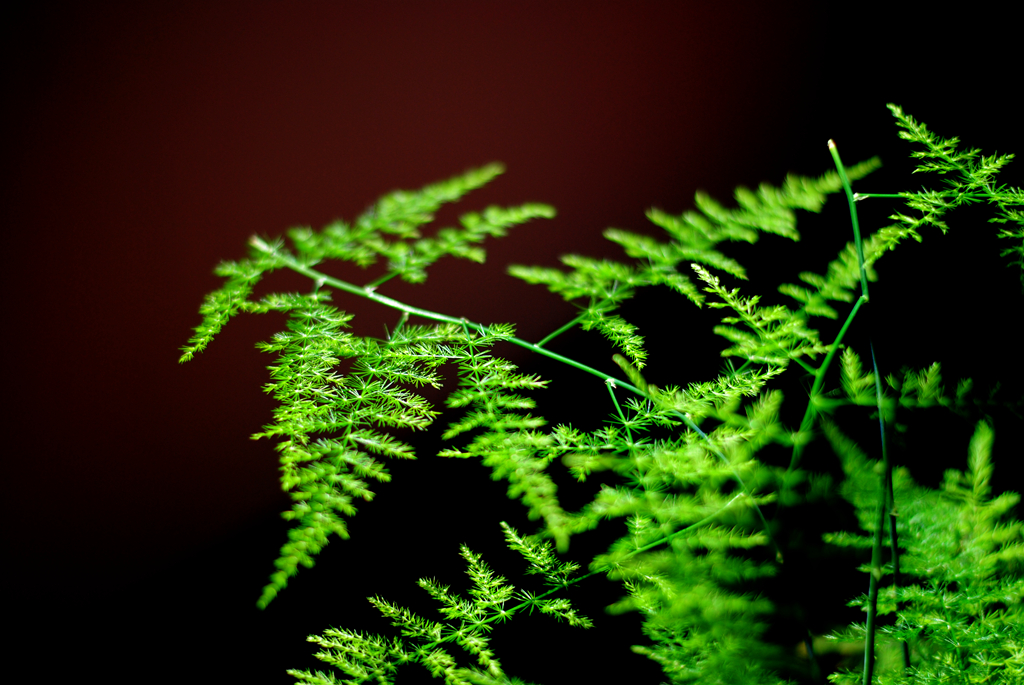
(704, 477)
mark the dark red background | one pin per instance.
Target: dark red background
(144, 143)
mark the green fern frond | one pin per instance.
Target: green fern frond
(701, 633)
(659, 260)
(510, 444)
(467, 623)
(841, 280)
(858, 385)
(961, 608)
(769, 210)
(385, 229)
(516, 453)
(220, 305)
(695, 237)
(972, 179)
(325, 475)
(603, 280)
(685, 532)
(718, 397)
(924, 388)
(618, 331)
(775, 335)
(320, 475)
(363, 657)
(541, 557)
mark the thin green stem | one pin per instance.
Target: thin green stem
(857, 197)
(618, 409)
(561, 330)
(819, 379)
(819, 376)
(370, 293)
(894, 551)
(743, 367)
(876, 578)
(381, 281)
(885, 495)
(398, 327)
(804, 365)
(853, 216)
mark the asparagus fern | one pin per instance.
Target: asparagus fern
(691, 472)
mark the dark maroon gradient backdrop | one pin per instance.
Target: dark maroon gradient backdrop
(146, 142)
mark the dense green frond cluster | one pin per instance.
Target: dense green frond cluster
(467, 623)
(701, 628)
(773, 335)
(323, 475)
(683, 562)
(332, 425)
(959, 605)
(509, 443)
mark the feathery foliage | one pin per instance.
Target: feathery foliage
(468, 622)
(974, 181)
(958, 607)
(325, 475)
(711, 516)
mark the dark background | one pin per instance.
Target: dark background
(144, 143)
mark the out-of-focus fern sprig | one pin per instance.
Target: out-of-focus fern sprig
(970, 178)
(695, 239)
(958, 607)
